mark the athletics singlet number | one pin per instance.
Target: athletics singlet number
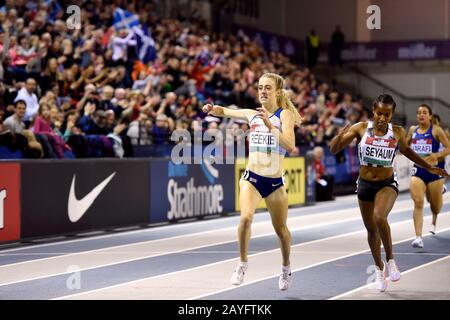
(2, 211)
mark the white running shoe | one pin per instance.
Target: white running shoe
(238, 275)
(417, 243)
(380, 279)
(284, 282)
(433, 229)
(394, 273)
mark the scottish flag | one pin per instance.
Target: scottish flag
(124, 19)
(145, 45)
(55, 9)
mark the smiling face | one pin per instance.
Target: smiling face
(45, 112)
(382, 115)
(267, 92)
(20, 110)
(424, 116)
(30, 85)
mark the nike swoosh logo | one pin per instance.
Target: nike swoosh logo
(77, 208)
(275, 185)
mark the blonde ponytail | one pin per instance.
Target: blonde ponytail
(286, 103)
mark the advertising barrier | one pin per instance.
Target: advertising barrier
(310, 197)
(294, 176)
(43, 198)
(403, 166)
(9, 202)
(188, 191)
(73, 196)
(347, 169)
(396, 50)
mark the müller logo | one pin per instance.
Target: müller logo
(421, 141)
(381, 142)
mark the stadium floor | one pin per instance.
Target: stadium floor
(194, 260)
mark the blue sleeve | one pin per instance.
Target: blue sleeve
(85, 123)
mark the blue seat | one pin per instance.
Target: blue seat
(7, 153)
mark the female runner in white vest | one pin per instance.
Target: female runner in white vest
(271, 134)
(377, 185)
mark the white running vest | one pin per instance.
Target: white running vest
(261, 139)
(375, 151)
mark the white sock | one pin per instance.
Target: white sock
(286, 269)
(243, 264)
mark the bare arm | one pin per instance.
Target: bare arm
(75, 85)
(345, 137)
(414, 157)
(162, 107)
(287, 136)
(442, 138)
(219, 111)
(100, 76)
(409, 135)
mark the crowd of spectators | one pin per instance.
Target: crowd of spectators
(86, 92)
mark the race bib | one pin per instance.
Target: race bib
(262, 141)
(422, 147)
(379, 151)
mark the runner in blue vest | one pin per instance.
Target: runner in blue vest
(377, 185)
(425, 139)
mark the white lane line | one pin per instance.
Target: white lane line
(168, 227)
(153, 256)
(153, 229)
(110, 248)
(97, 251)
(232, 259)
(181, 236)
(257, 251)
(303, 268)
(296, 211)
(164, 253)
(403, 273)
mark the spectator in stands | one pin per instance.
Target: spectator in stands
(161, 135)
(168, 105)
(50, 75)
(120, 44)
(312, 48)
(324, 182)
(97, 65)
(42, 123)
(15, 123)
(31, 100)
(336, 46)
(9, 5)
(87, 122)
(120, 101)
(70, 127)
(140, 130)
(43, 130)
(340, 114)
(13, 133)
